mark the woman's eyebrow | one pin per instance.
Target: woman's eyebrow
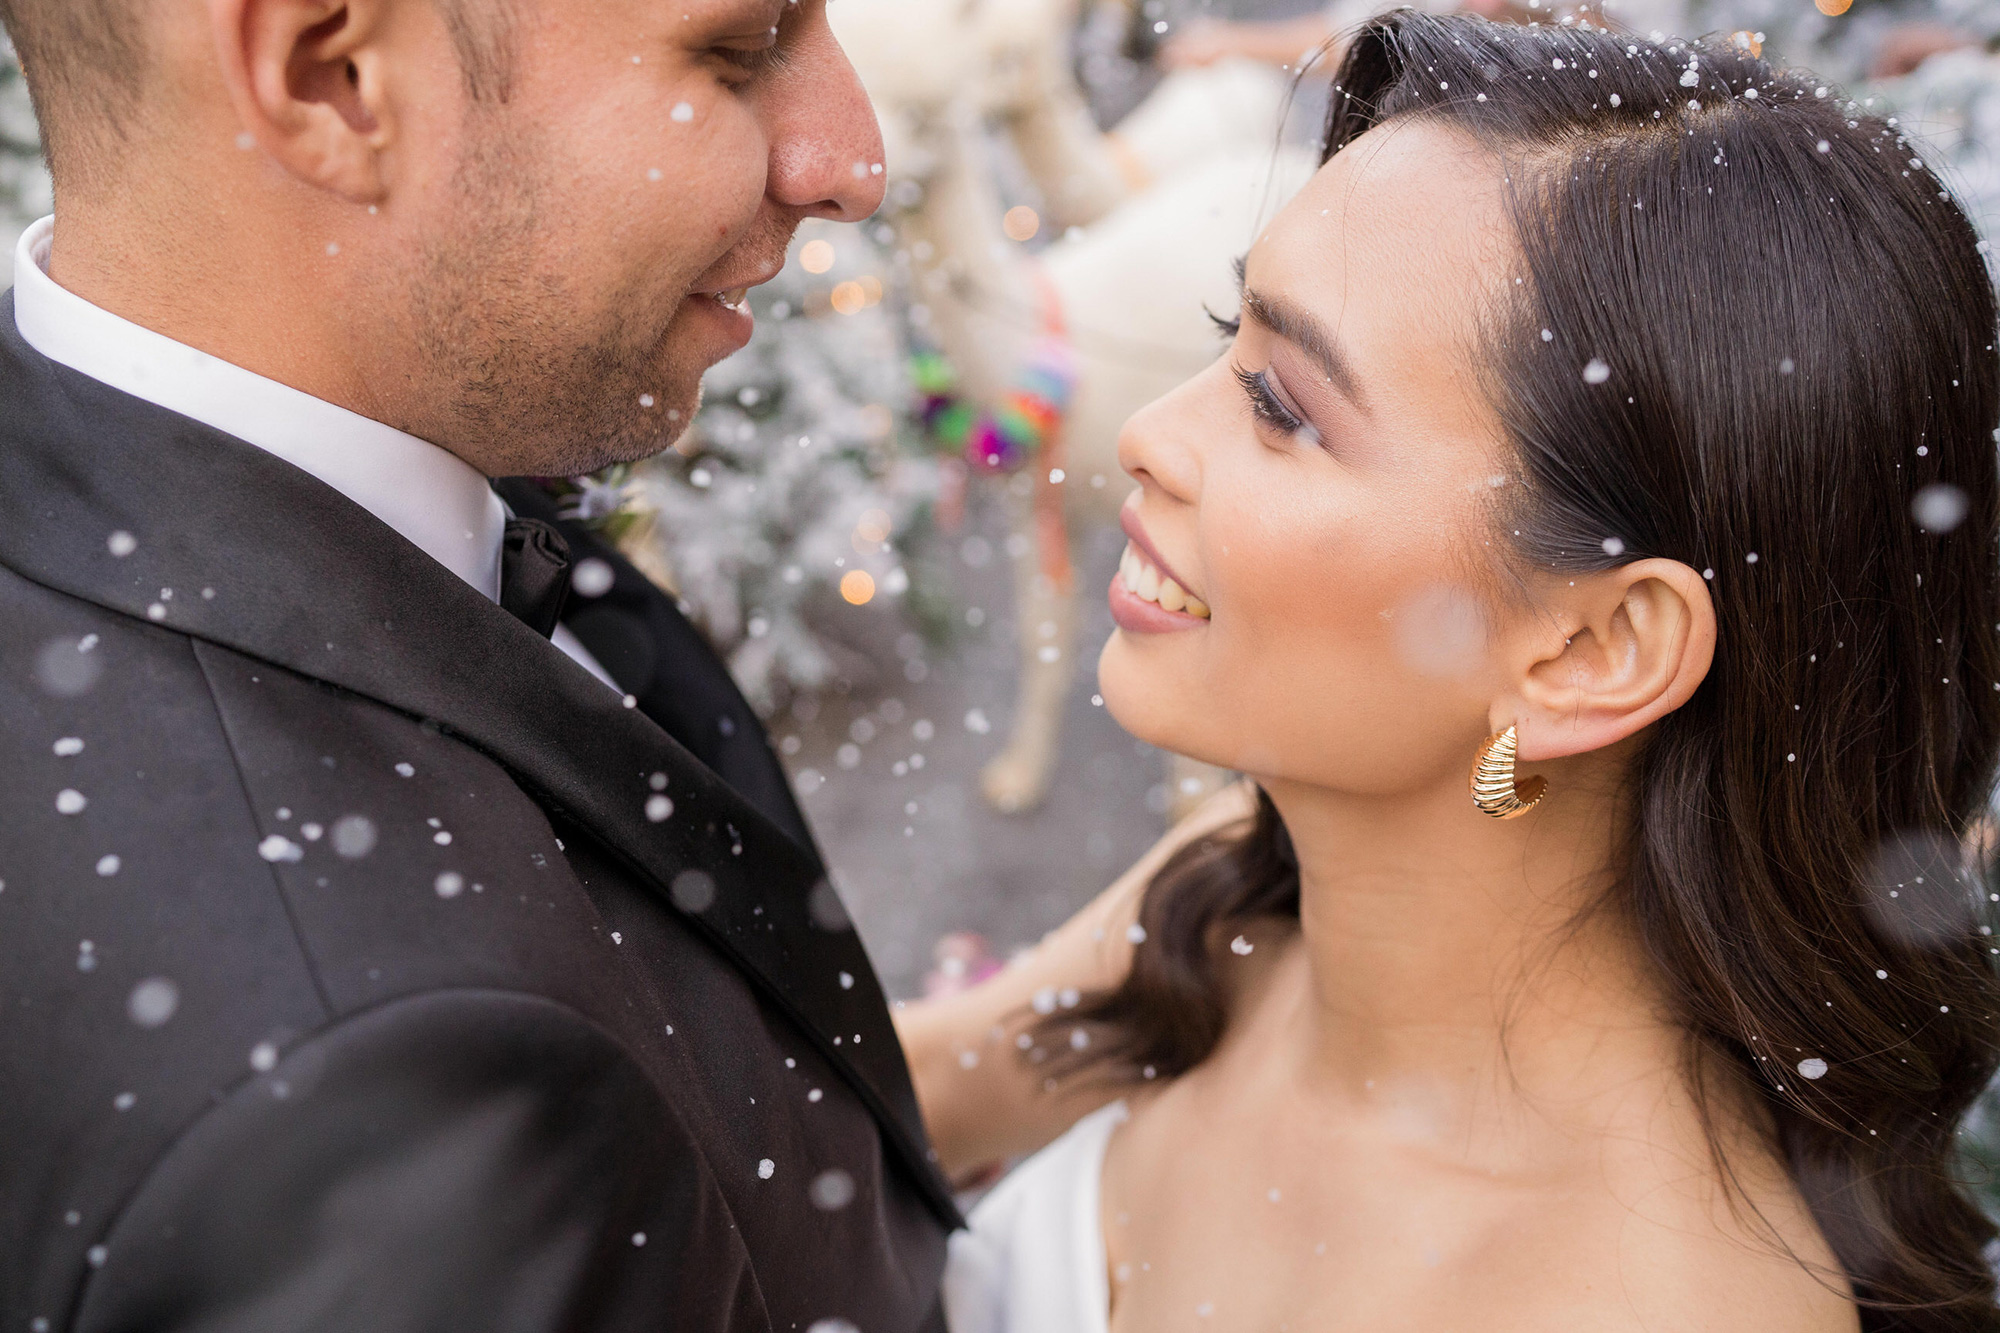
(1307, 334)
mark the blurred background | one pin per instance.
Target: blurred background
(896, 513)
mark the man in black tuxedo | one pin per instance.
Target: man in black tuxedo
(370, 961)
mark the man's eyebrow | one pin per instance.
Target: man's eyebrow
(1304, 332)
(766, 14)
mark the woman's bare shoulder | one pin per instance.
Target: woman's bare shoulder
(1681, 1259)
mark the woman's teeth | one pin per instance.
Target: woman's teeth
(735, 298)
(1144, 580)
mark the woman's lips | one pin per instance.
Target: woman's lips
(1146, 601)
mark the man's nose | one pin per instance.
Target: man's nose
(826, 149)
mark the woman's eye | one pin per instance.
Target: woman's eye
(1266, 405)
(1227, 328)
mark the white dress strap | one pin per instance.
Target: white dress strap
(1032, 1258)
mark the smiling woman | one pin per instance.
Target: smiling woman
(1544, 440)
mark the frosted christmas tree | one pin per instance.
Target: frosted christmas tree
(24, 181)
(781, 520)
(1929, 63)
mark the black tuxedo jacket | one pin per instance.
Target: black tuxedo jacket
(352, 974)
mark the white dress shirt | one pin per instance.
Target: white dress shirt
(439, 503)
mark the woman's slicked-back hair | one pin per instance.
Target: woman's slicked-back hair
(1754, 334)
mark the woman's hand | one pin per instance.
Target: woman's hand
(984, 1105)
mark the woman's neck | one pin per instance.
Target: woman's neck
(1468, 977)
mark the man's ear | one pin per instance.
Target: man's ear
(1630, 646)
(308, 79)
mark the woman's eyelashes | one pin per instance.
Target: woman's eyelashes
(1269, 406)
(1227, 328)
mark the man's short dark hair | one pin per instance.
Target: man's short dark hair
(87, 68)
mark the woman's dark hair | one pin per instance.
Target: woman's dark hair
(1755, 335)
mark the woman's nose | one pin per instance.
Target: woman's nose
(1159, 445)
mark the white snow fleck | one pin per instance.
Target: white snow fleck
(152, 1002)
(1812, 1067)
(682, 113)
(1939, 507)
(847, 981)
(264, 1057)
(766, 1168)
(1614, 546)
(70, 801)
(68, 747)
(693, 891)
(1597, 372)
(976, 723)
(122, 543)
(1135, 933)
(276, 848)
(124, 1101)
(593, 578)
(659, 809)
(1241, 947)
(107, 866)
(638, 1238)
(449, 885)
(354, 836)
(832, 1190)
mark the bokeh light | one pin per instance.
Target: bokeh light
(873, 527)
(1021, 223)
(858, 587)
(850, 298)
(816, 256)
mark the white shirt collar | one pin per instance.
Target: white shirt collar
(437, 501)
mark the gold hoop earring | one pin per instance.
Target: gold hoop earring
(1493, 787)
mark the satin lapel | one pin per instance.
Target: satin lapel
(680, 681)
(116, 501)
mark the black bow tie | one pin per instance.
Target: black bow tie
(534, 574)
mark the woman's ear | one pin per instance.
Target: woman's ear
(1635, 643)
(309, 80)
